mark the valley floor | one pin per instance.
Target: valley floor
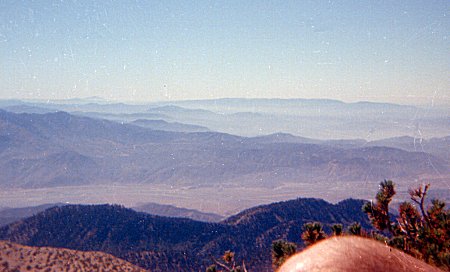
(224, 199)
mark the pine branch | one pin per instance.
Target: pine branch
(220, 264)
(243, 266)
(422, 195)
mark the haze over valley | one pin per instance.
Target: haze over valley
(174, 135)
(100, 152)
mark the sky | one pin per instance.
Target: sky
(390, 51)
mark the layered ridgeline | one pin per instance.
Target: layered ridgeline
(10, 215)
(174, 244)
(173, 211)
(58, 149)
(314, 118)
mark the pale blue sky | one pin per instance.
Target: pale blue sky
(396, 51)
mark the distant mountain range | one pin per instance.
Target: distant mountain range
(172, 211)
(9, 215)
(59, 149)
(325, 119)
(167, 126)
(313, 118)
(174, 244)
(436, 146)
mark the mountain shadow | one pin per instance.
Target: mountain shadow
(175, 244)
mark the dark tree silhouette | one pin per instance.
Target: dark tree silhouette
(281, 251)
(378, 212)
(421, 232)
(355, 229)
(312, 233)
(228, 264)
(337, 229)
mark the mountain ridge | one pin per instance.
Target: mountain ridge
(159, 243)
(83, 151)
(313, 118)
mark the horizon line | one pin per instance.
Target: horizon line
(98, 99)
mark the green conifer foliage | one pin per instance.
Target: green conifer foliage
(420, 231)
(337, 229)
(378, 212)
(281, 251)
(312, 233)
(355, 229)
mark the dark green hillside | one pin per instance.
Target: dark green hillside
(9, 215)
(261, 225)
(109, 228)
(116, 230)
(173, 244)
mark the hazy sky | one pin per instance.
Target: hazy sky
(396, 51)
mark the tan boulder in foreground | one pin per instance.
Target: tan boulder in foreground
(350, 253)
(15, 257)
